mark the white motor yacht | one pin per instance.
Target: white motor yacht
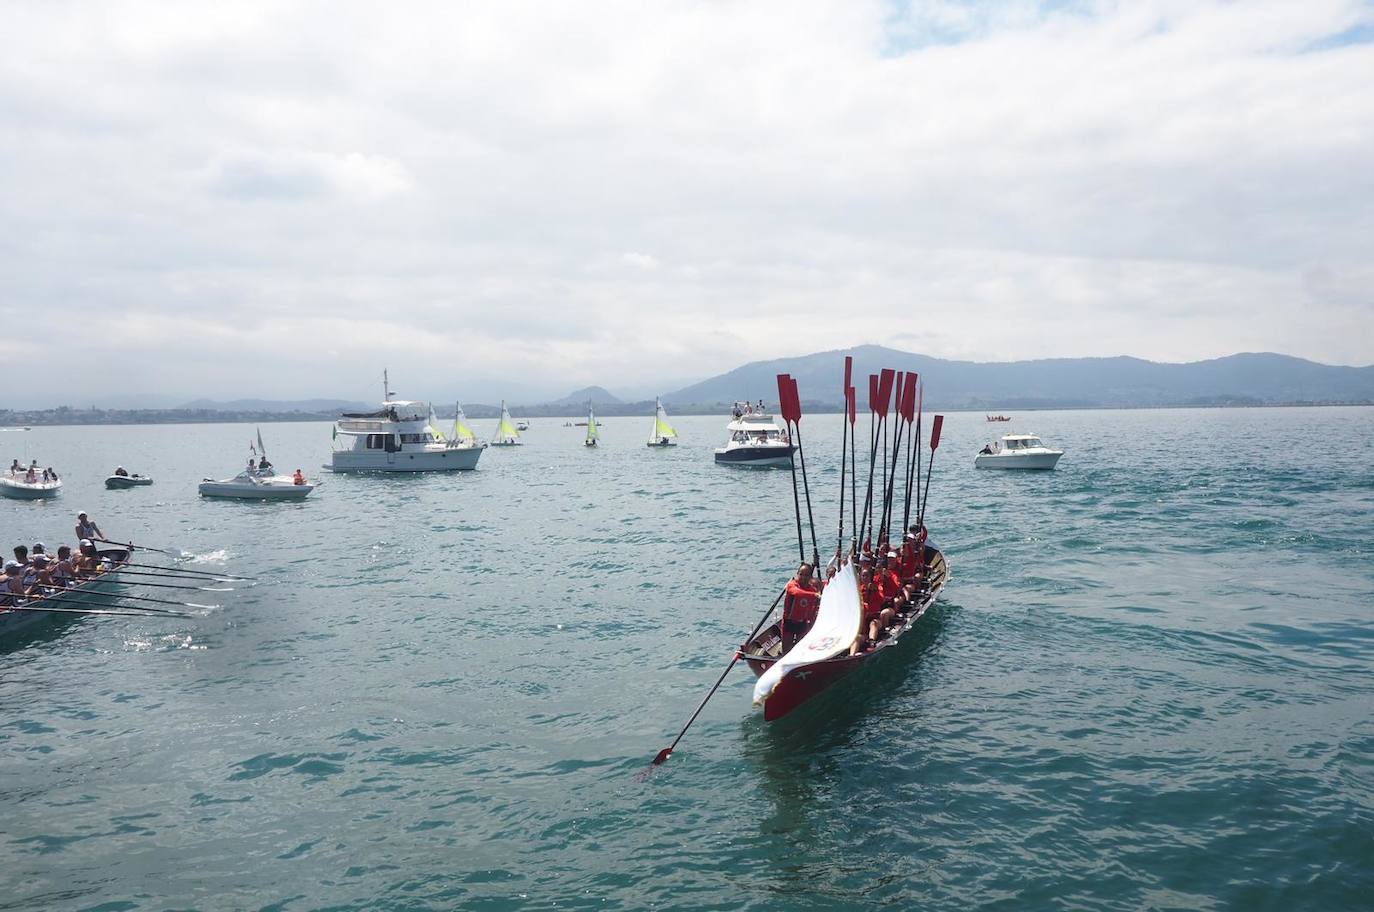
(1017, 451)
(755, 440)
(400, 437)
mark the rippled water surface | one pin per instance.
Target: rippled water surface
(1150, 683)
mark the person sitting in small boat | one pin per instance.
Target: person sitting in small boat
(873, 602)
(31, 476)
(86, 527)
(15, 467)
(986, 450)
(264, 467)
(799, 606)
(121, 472)
(298, 478)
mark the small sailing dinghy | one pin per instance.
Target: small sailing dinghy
(593, 432)
(663, 433)
(463, 435)
(506, 434)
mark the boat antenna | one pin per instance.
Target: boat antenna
(386, 387)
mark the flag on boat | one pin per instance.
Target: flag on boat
(837, 625)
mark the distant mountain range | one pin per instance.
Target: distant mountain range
(1244, 379)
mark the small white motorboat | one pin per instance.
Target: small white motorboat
(16, 487)
(1017, 451)
(255, 486)
(116, 481)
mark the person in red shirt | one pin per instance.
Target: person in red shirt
(799, 606)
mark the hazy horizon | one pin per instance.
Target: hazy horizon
(278, 200)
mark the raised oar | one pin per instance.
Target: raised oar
(140, 614)
(222, 577)
(662, 756)
(785, 406)
(934, 442)
(132, 547)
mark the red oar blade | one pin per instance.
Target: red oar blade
(662, 756)
(935, 431)
(851, 397)
(872, 392)
(848, 370)
(885, 391)
(909, 398)
(794, 399)
(784, 388)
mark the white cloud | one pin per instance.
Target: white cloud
(1168, 179)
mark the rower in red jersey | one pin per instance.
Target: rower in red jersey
(799, 606)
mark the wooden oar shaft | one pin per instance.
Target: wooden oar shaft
(114, 599)
(182, 571)
(133, 547)
(663, 755)
(121, 571)
(142, 614)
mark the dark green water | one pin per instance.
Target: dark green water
(1150, 683)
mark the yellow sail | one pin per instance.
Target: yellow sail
(592, 431)
(662, 429)
(505, 430)
(461, 432)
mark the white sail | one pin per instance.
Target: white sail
(432, 426)
(505, 429)
(662, 429)
(837, 624)
(461, 432)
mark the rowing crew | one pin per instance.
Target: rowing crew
(890, 583)
(40, 573)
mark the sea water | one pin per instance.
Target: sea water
(1149, 683)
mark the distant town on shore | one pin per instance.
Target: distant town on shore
(1242, 380)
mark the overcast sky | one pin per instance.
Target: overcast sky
(280, 199)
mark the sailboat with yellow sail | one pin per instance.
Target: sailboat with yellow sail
(506, 434)
(462, 435)
(663, 434)
(593, 432)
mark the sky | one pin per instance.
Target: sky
(280, 199)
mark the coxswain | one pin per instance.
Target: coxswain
(121, 472)
(799, 606)
(86, 528)
(298, 478)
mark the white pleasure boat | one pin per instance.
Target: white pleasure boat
(664, 433)
(1017, 451)
(755, 440)
(250, 485)
(17, 485)
(401, 437)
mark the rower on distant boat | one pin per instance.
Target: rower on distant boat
(86, 527)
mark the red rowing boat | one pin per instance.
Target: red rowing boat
(801, 684)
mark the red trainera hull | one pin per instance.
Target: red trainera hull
(801, 684)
